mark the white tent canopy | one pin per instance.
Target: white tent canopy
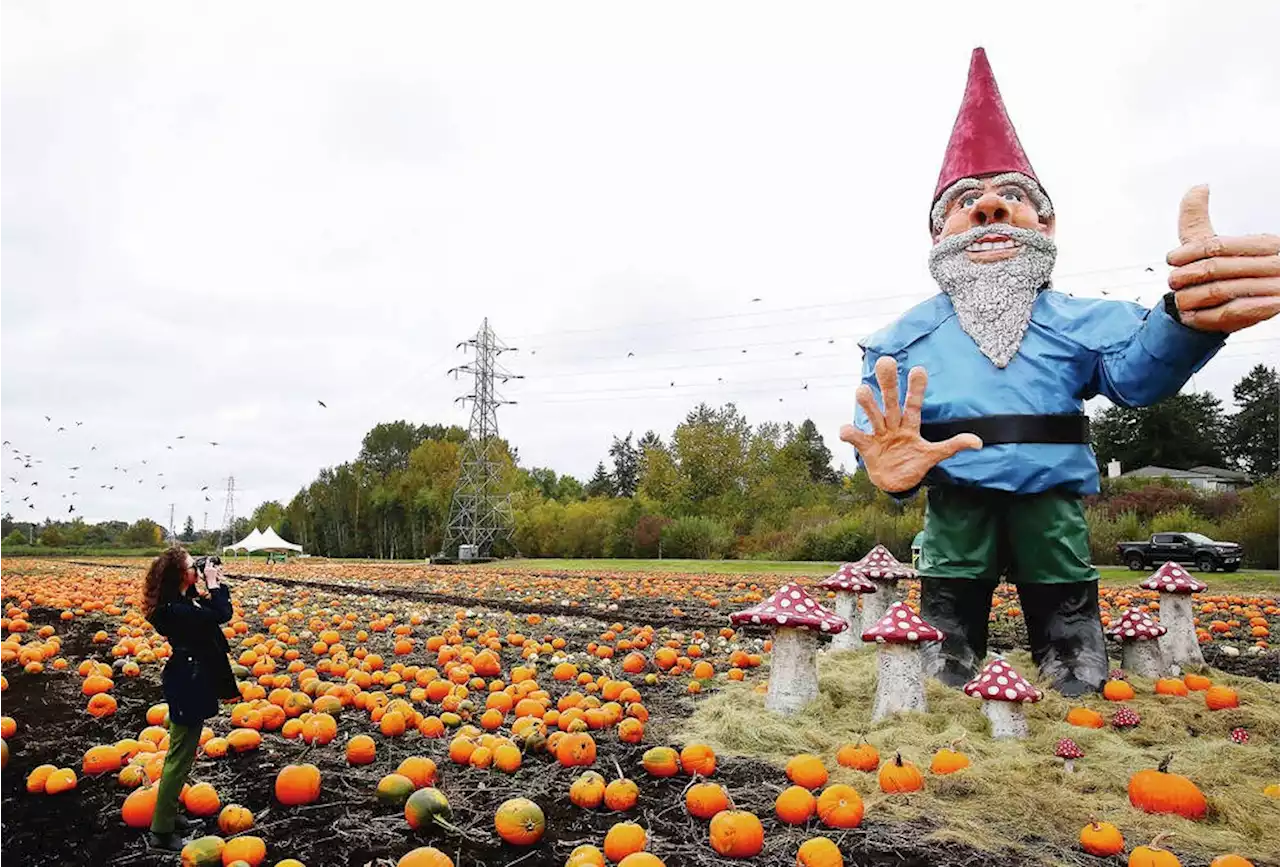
(270, 541)
(248, 543)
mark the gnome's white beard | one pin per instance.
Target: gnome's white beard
(993, 300)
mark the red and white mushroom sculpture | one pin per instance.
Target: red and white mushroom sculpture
(883, 568)
(1003, 692)
(899, 667)
(1137, 632)
(1179, 644)
(797, 620)
(848, 586)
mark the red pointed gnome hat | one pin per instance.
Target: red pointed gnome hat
(983, 141)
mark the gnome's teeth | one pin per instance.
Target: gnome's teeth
(1007, 244)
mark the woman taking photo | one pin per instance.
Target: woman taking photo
(187, 606)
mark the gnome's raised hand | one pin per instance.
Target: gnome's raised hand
(895, 454)
(1222, 284)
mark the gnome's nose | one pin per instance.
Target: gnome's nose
(989, 209)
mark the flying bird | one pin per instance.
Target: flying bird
(1152, 270)
(322, 403)
(205, 488)
(754, 300)
(798, 352)
(13, 479)
(1105, 292)
(46, 418)
(831, 340)
(144, 463)
(744, 352)
(181, 437)
(170, 448)
(212, 443)
(34, 484)
(93, 448)
(71, 508)
(207, 500)
(806, 387)
(73, 468)
(79, 423)
(61, 429)
(673, 384)
(630, 355)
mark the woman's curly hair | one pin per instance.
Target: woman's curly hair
(164, 580)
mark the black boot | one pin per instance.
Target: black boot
(960, 608)
(1065, 629)
(171, 842)
(182, 823)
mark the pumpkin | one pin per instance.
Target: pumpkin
(1102, 839)
(1220, 698)
(1153, 855)
(507, 758)
(899, 776)
(840, 806)
(948, 761)
(1117, 690)
(588, 790)
(861, 757)
(424, 856)
(642, 859)
(139, 807)
(698, 759)
(419, 769)
(234, 818)
(247, 848)
(704, 800)
(621, 794)
(1230, 860)
(1196, 682)
(795, 805)
(819, 852)
(737, 834)
(661, 762)
(520, 822)
(807, 770)
(201, 800)
(585, 855)
(1171, 686)
(216, 748)
(428, 806)
(576, 750)
(624, 839)
(395, 789)
(1086, 718)
(101, 705)
(101, 760)
(131, 776)
(298, 784)
(1272, 791)
(361, 750)
(61, 780)
(243, 740)
(203, 852)
(38, 777)
(1159, 791)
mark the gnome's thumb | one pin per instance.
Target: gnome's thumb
(1193, 215)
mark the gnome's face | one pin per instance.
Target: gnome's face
(993, 252)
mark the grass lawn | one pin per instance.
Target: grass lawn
(1113, 576)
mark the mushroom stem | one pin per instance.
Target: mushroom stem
(793, 671)
(899, 679)
(1179, 645)
(1069, 765)
(1143, 657)
(874, 605)
(846, 607)
(1006, 719)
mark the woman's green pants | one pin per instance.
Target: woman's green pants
(183, 743)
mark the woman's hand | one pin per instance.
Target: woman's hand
(212, 576)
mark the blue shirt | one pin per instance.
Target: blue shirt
(1073, 349)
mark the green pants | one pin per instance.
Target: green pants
(984, 535)
(183, 743)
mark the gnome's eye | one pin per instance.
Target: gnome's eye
(1012, 194)
(969, 200)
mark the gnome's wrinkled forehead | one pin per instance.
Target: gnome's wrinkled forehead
(983, 144)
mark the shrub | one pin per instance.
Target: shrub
(696, 538)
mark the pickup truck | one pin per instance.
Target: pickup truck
(1192, 549)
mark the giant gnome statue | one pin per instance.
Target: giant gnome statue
(1000, 440)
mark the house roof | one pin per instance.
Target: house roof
(1220, 472)
(1193, 473)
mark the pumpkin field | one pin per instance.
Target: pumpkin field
(400, 714)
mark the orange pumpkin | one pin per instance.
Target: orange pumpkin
(737, 834)
(234, 818)
(139, 807)
(948, 761)
(661, 762)
(819, 852)
(361, 750)
(899, 776)
(698, 759)
(1230, 860)
(507, 758)
(588, 790)
(419, 769)
(795, 805)
(1117, 690)
(1196, 682)
(840, 806)
(424, 856)
(807, 770)
(1102, 839)
(247, 848)
(704, 800)
(1153, 855)
(585, 855)
(1171, 686)
(1084, 717)
(201, 800)
(621, 795)
(520, 822)
(860, 757)
(298, 784)
(61, 780)
(101, 760)
(576, 750)
(1220, 698)
(1159, 791)
(623, 839)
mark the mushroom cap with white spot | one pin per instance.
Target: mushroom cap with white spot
(1068, 749)
(1173, 578)
(880, 565)
(793, 608)
(999, 682)
(1136, 625)
(901, 625)
(846, 578)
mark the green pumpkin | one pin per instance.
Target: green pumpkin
(394, 789)
(203, 852)
(428, 806)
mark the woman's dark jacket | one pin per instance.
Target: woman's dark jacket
(198, 672)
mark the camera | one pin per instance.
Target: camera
(201, 562)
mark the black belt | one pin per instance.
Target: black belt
(999, 429)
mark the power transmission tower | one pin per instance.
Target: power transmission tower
(228, 515)
(479, 515)
(173, 537)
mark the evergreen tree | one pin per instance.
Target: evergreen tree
(189, 530)
(601, 484)
(1255, 429)
(626, 467)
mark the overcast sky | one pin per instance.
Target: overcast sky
(215, 215)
